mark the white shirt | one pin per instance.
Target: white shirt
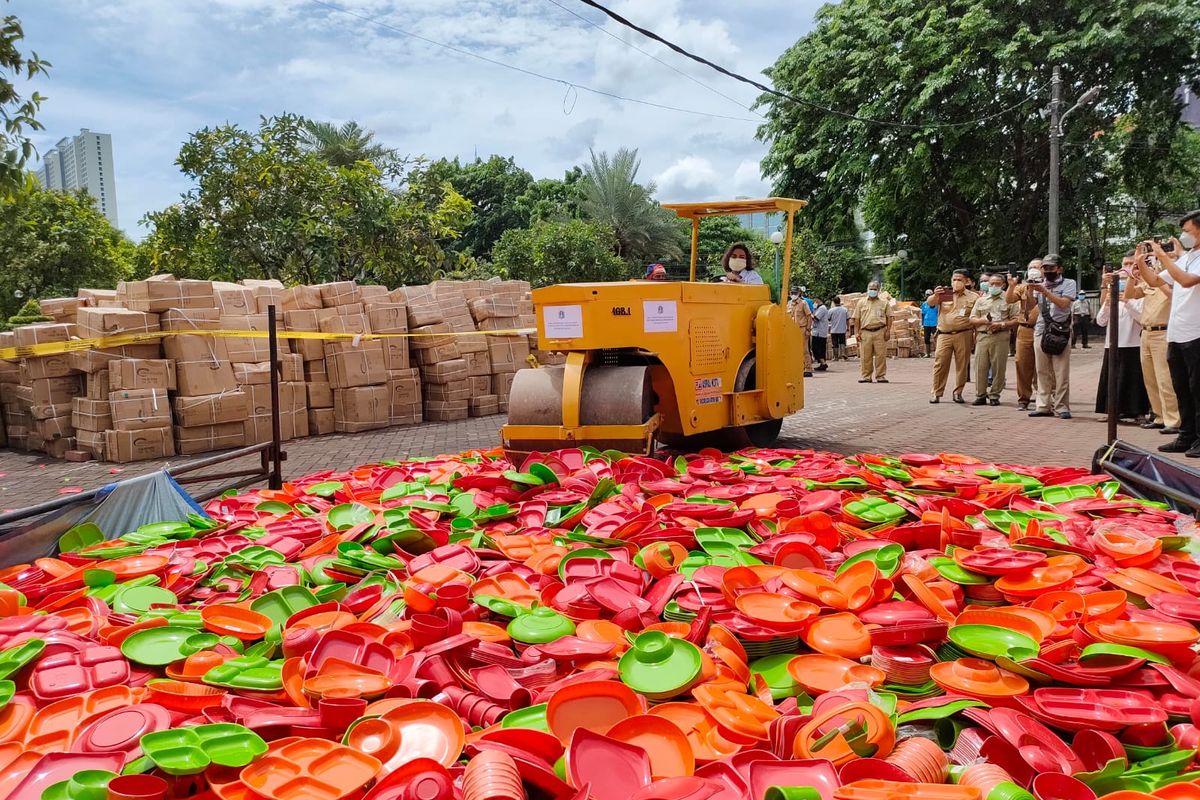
(1129, 324)
(1184, 323)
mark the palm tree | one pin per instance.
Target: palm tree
(346, 145)
(612, 195)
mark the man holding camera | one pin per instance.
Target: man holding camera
(1181, 271)
(1021, 295)
(1153, 307)
(955, 334)
(1054, 295)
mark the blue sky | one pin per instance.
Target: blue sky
(151, 71)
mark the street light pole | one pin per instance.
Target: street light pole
(1055, 142)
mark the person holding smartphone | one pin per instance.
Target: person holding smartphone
(955, 337)
(1181, 271)
(1132, 401)
(1153, 306)
(1021, 295)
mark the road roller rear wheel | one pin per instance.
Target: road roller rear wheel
(760, 434)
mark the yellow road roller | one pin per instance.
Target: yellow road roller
(678, 363)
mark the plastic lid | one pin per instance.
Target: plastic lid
(541, 625)
(658, 664)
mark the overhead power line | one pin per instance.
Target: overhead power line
(650, 55)
(800, 100)
(531, 73)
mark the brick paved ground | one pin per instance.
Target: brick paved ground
(841, 415)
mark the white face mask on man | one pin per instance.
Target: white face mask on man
(1187, 240)
(737, 264)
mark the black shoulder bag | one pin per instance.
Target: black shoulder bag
(1056, 336)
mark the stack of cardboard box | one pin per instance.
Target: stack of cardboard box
(192, 392)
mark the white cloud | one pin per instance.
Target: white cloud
(152, 71)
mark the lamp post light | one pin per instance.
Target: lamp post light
(777, 240)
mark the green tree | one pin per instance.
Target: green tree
(495, 188)
(550, 252)
(17, 112)
(51, 243)
(612, 195)
(346, 145)
(265, 206)
(970, 194)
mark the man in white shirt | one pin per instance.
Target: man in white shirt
(1181, 271)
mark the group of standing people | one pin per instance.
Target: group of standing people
(824, 328)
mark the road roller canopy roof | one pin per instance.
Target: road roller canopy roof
(725, 208)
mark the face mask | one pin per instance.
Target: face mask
(1033, 274)
(994, 291)
(1187, 240)
(1053, 277)
(872, 293)
(737, 264)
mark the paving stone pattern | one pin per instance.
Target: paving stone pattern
(840, 415)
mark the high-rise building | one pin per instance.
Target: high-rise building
(83, 162)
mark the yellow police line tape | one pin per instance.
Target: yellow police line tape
(120, 340)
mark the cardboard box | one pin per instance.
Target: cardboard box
(91, 361)
(262, 283)
(387, 318)
(304, 321)
(139, 373)
(211, 409)
(91, 415)
(373, 292)
(97, 386)
(235, 301)
(446, 392)
(97, 298)
(62, 309)
(59, 447)
(360, 409)
(8, 339)
(452, 371)
(51, 391)
(423, 312)
(252, 374)
(483, 405)
(356, 366)
(316, 371)
(436, 411)
(291, 368)
(320, 421)
(139, 409)
(42, 333)
(339, 293)
(126, 446)
(479, 365)
(195, 319)
(446, 350)
(267, 296)
(247, 350)
(95, 322)
(426, 337)
(207, 438)
(508, 353)
(320, 394)
(301, 298)
(92, 442)
(494, 306)
(159, 295)
(47, 366)
(293, 413)
(480, 385)
(502, 384)
(202, 364)
(332, 322)
(404, 393)
(39, 411)
(53, 428)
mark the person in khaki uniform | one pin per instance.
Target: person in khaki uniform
(993, 317)
(955, 335)
(802, 315)
(1153, 307)
(872, 324)
(1020, 294)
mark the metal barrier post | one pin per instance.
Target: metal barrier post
(1112, 356)
(276, 479)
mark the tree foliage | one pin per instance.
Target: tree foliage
(550, 252)
(51, 243)
(612, 196)
(972, 194)
(17, 112)
(494, 188)
(346, 145)
(265, 206)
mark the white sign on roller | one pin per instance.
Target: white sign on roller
(563, 322)
(660, 316)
